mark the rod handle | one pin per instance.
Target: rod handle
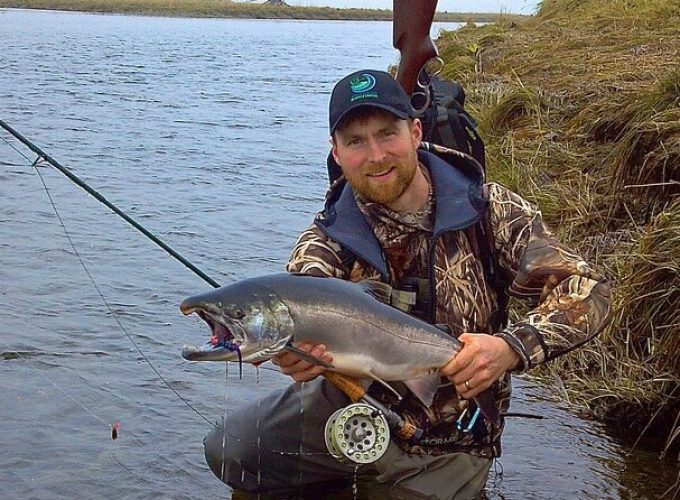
(346, 384)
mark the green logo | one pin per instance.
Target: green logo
(362, 83)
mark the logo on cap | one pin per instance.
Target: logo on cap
(362, 83)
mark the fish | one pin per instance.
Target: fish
(256, 318)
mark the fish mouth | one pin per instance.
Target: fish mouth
(226, 338)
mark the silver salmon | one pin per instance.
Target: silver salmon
(254, 319)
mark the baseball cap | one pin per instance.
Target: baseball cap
(368, 88)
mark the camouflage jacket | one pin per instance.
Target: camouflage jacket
(570, 300)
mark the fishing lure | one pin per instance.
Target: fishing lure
(216, 341)
(114, 430)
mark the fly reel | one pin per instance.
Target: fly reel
(357, 433)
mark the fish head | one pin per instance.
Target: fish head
(248, 322)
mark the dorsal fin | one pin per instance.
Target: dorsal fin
(443, 327)
(381, 291)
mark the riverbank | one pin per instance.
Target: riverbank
(580, 108)
(239, 10)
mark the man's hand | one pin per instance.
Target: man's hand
(482, 360)
(298, 369)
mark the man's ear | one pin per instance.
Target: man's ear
(417, 131)
(334, 150)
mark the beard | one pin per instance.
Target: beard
(385, 192)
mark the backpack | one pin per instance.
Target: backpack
(446, 122)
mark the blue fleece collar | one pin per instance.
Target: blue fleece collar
(459, 202)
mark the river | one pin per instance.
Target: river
(213, 135)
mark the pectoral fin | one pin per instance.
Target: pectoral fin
(310, 358)
(387, 386)
(425, 387)
(379, 290)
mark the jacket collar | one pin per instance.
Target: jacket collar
(458, 186)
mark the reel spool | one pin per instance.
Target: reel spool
(357, 433)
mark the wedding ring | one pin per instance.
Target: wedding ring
(467, 385)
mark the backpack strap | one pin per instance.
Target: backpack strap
(497, 278)
(447, 122)
(444, 133)
(481, 238)
(475, 140)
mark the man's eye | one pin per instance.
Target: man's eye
(354, 142)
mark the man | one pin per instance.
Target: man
(409, 217)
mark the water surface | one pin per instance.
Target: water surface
(212, 134)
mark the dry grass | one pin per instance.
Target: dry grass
(580, 108)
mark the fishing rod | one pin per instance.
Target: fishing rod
(348, 385)
(43, 156)
(99, 197)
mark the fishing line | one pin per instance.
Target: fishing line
(43, 157)
(224, 421)
(63, 391)
(99, 197)
(15, 149)
(101, 295)
(112, 427)
(46, 158)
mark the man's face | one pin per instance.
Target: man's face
(377, 154)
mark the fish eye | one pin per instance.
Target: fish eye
(238, 313)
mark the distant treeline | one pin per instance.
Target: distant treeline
(215, 8)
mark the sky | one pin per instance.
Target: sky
(514, 6)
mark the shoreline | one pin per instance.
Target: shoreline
(232, 10)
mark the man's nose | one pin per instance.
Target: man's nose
(375, 151)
